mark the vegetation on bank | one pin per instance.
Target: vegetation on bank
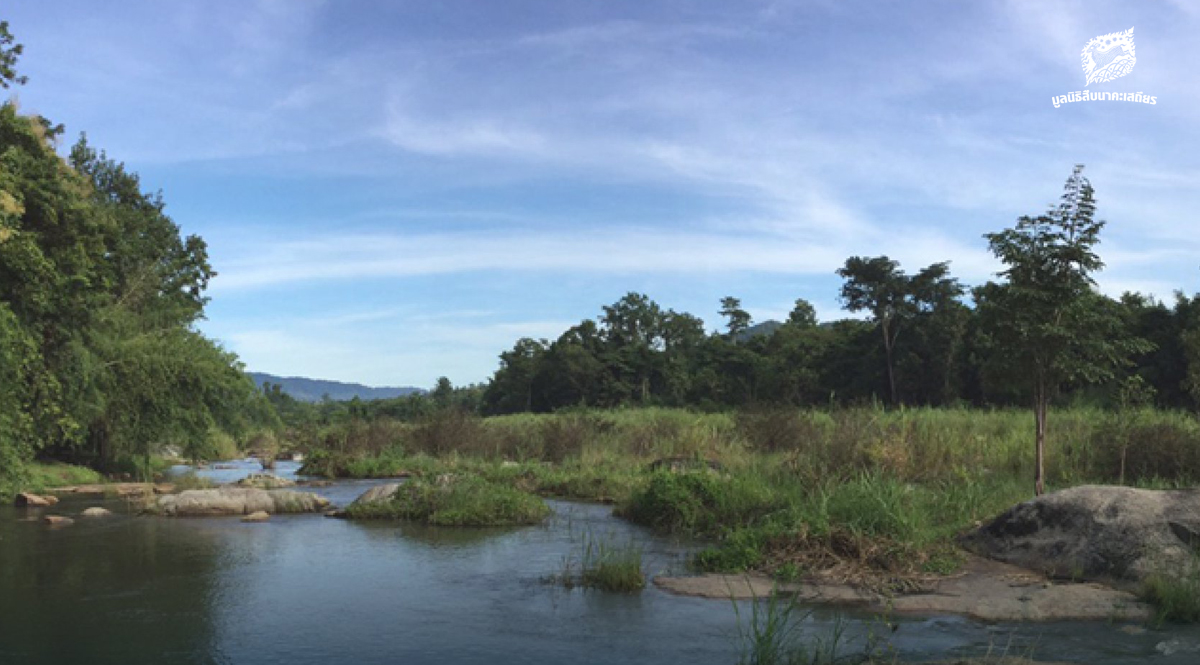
(456, 501)
(869, 491)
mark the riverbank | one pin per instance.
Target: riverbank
(877, 498)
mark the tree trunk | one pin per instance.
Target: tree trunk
(1039, 409)
(887, 351)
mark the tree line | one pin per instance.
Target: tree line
(1041, 333)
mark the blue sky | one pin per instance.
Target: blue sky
(397, 191)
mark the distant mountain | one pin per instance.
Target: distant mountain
(314, 390)
(764, 329)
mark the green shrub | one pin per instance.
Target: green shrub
(466, 501)
(611, 567)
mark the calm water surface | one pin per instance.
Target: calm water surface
(308, 589)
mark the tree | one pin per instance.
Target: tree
(802, 315)
(737, 319)
(893, 298)
(1046, 323)
(9, 54)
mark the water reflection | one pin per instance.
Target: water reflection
(308, 589)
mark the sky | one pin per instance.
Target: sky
(397, 191)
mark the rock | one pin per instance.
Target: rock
(96, 511)
(985, 590)
(376, 494)
(238, 501)
(265, 481)
(1114, 534)
(257, 516)
(31, 500)
(58, 520)
(118, 489)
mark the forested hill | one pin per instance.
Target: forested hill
(314, 390)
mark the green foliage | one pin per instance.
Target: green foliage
(608, 566)
(9, 54)
(1046, 325)
(99, 293)
(458, 501)
(772, 635)
(1176, 599)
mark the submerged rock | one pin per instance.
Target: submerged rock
(238, 501)
(58, 520)
(265, 481)
(96, 511)
(257, 516)
(31, 500)
(1116, 534)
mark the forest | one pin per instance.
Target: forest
(102, 362)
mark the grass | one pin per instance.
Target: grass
(1175, 599)
(457, 501)
(609, 566)
(191, 481)
(770, 635)
(44, 475)
(604, 564)
(883, 493)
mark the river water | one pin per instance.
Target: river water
(308, 589)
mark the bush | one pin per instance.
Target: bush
(467, 501)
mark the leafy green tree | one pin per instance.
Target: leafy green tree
(9, 54)
(894, 299)
(1046, 322)
(802, 315)
(737, 320)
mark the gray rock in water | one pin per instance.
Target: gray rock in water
(258, 516)
(96, 511)
(58, 520)
(1116, 534)
(265, 481)
(377, 494)
(31, 500)
(239, 501)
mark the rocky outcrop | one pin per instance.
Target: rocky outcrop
(31, 500)
(258, 516)
(985, 590)
(376, 494)
(96, 511)
(265, 481)
(238, 501)
(116, 489)
(1114, 534)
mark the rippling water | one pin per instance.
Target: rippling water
(308, 589)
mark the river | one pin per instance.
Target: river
(308, 589)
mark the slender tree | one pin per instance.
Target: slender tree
(1046, 323)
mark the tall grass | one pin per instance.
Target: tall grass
(771, 635)
(797, 490)
(611, 566)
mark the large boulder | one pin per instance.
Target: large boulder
(239, 501)
(1115, 534)
(377, 494)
